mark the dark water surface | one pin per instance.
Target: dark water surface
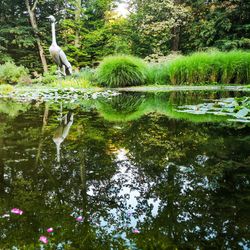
(141, 175)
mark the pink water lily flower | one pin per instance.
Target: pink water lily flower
(79, 219)
(136, 231)
(16, 211)
(43, 239)
(50, 230)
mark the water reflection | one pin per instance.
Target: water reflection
(179, 183)
(62, 132)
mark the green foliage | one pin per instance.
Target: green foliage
(214, 67)
(47, 78)
(79, 82)
(12, 74)
(121, 71)
(222, 24)
(6, 89)
(12, 108)
(153, 23)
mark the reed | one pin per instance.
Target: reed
(122, 71)
(207, 68)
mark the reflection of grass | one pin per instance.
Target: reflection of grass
(124, 107)
(128, 107)
(12, 108)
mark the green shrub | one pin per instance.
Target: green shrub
(122, 71)
(12, 74)
(6, 89)
(87, 74)
(214, 67)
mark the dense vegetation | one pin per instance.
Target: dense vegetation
(121, 71)
(90, 30)
(214, 67)
(198, 68)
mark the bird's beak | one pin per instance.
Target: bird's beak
(47, 17)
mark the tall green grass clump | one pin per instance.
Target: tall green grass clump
(122, 71)
(206, 68)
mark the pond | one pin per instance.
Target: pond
(123, 171)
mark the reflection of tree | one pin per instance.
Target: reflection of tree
(189, 192)
(132, 106)
(186, 185)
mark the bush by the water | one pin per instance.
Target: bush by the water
(12, 74)
(211, 67)
(6, 89)
(122, 71)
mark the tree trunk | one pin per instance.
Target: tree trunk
(77, 19)
(31, 11)
(176, 38)
(176, 34)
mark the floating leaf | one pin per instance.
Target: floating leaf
(242, 113)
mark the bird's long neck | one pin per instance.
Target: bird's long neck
(53, 26)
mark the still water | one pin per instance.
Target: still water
(123, 172)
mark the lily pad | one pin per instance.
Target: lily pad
(242, 113)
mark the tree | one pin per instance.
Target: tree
(31, 7)
(155, 23)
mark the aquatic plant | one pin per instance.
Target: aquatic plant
(206, 68)
(232, 109)
(122, 71)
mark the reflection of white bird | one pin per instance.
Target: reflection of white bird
(57, 53)
(62, 132)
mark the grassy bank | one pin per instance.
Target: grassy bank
(199, 68)
(210, 68)
(206, 68)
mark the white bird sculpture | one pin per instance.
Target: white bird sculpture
(57, 53)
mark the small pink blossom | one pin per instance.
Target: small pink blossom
(135, 231)
(16, 211)
(43, 239)
(50, 230)
(79, 219)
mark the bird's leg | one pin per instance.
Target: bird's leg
(60, 73)
(63, 70)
